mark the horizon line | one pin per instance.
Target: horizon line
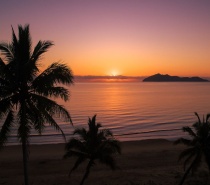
(135, 76)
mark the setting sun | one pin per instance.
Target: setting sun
(114, 73)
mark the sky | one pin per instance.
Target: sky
(117, 37)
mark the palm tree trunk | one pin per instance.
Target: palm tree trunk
(187, 172)
(25, 161)
(207, 152)
(24, 143)
(207, 156)
(87, 172)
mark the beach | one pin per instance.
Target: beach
(146, 162)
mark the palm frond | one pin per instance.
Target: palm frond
(5, 130)
(2, 65)
(82, 133)
(183, 141)
(109, 161)
(21, 50)
(5, 106)
(40, 48)
(187, 152)
(199, 120)
(93, 126)
(5, 74)
(55, 73)
(8, 85)
(6, 51)
(114, 145)
(36, 118)
(189, 159)
(49, 119)
(48, 109)
(76, 153)
(24, 44)
(14, 38)
(6, 89)
(31, 67)
(75, 144)
(189, 131)
(105, 133)
(80, 160)
(197, 161)
(109, 147)
(50, 106)
(93, 120)
(207, 117)
(49, 91)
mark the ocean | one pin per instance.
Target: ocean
(132, 111)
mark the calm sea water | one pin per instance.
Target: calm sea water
(133, 111)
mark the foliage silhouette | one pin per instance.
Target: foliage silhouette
(198, 146)
(92, 144)
(25, 91)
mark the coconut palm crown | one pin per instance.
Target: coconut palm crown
(93, 144)
(26, 93)
(198, 145)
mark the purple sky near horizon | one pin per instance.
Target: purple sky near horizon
(117, 37)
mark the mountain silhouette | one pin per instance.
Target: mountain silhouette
(167, 78)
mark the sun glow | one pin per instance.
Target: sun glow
(114, 73)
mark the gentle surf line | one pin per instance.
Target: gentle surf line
(133, 133)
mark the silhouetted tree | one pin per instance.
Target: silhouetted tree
(25, 92)
(92, 144)
(198, 145)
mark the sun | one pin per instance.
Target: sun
(114, 73)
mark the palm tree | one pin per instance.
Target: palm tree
(25, 92)
(92, 144)
(198, 145)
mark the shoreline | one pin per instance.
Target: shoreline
(125, 142)
(141, 162)
(126, 137)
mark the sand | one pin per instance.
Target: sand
(148, 162)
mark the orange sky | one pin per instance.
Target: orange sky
(118, 37)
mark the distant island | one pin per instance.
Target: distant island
(167, 78)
